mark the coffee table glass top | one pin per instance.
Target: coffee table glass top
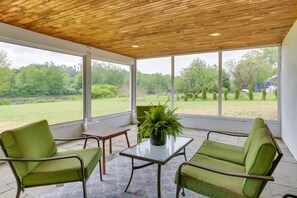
(157, 154)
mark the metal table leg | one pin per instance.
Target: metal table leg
(182, 153)
(135, 168)
(159, 181)
(185, 154)
(130, 176)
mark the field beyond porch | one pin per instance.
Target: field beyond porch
(57, 111)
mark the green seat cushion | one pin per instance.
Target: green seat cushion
(222, 151)
(258, 123)
(259, 160)
(65, 170)
(209, 183)
(30, 141)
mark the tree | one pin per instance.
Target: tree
(199, 75)
(245, 74)
(30, 81)
(180, 85)
(6, 80)
(204, 94)
(6, 74)
(105, 73)
(55, 79)
(78, 81)
(254, 66)
(153, 83)
(4, 61)
(225, 79)
(34, 80)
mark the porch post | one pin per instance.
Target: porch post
(87, 102)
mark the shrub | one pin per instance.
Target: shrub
(264, 94)
(190, 95)
(32, 101)
(177, 96)
(204, 95)
(275, 93)
(226, 94)
(52, 100)
(103, 91)
(214, 96)
(186, 97)
(123, 95)
(69, 91)
(251, 95)
(5, 102)
(76, 97)
(237, 93)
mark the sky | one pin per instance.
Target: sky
(163, 65)
(22, 56)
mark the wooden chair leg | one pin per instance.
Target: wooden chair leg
(85, 144)
(127, 140)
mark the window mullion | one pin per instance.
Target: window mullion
(220, 84)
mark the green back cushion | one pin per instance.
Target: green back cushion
(226, 152)
(258, 123)
(30, 141)
(258, 160)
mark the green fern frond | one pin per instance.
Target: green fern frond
(161, 120)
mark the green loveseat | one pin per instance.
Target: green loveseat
(33, 157)
(224, 170)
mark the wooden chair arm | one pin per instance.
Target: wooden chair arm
(79, 138)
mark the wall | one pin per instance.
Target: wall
(115, 120)
(289, 90)
(240, 125)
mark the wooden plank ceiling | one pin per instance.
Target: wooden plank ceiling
(158, 27)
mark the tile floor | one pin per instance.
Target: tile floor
(285, 175)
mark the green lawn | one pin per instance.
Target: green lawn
(243, 107)
(57, 112)
(62, 111)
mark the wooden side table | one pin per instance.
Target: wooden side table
(106, 133)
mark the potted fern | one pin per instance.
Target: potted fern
(160, 121)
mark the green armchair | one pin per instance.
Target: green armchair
(31, 152)
(140, 115)
(224, 170)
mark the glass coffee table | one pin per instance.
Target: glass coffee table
(159, 155)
